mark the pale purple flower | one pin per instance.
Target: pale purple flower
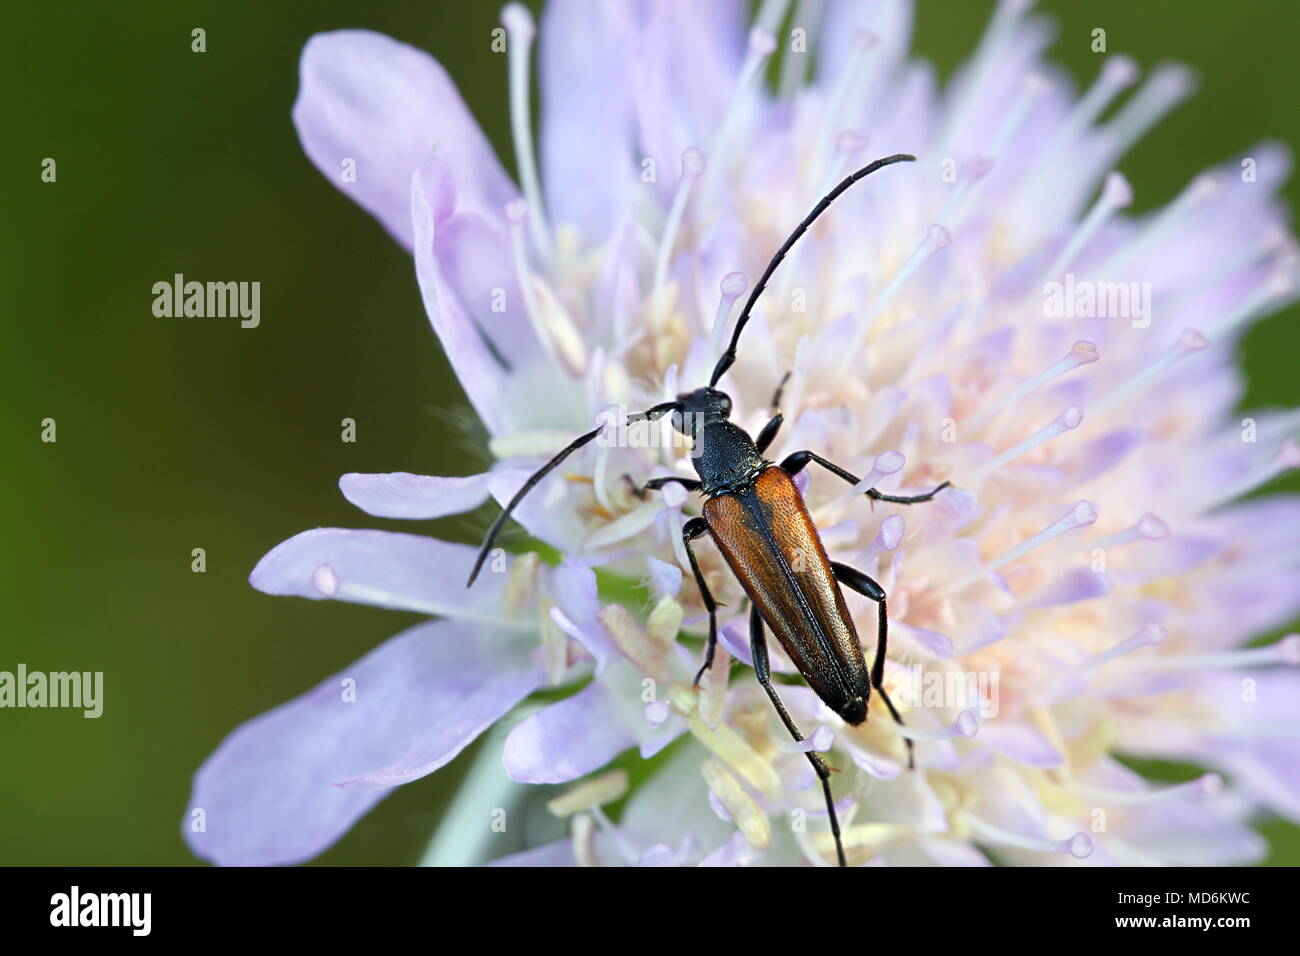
(1092, 566)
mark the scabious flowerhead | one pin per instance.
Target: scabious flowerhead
(988, 316)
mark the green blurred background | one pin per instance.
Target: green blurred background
(174, 435)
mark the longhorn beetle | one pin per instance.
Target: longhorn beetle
(758, 519)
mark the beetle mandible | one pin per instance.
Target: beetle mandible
(757, 517)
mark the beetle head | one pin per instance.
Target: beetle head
(700, 407)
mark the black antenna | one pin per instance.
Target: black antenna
(729, 357)
(649, 414)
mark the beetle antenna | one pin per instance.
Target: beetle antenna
(649, 414)
(729, 357)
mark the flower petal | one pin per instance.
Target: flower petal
(570, 738)
(403, 495)
(271, 792)
(405, 572)
(387, 107)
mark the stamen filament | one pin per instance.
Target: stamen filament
(936, 238)
(1203, 787)
(1148, 526)
(1116, 194)
(1081, 515)
(886, 463)
(1078, 846)
(731, 288)
(967, 724)
(1190, 341)
(1150, 635)
(1066, 421)
(692, 169)
(1081, 353)
(1165, 88)
(519, 39)
(1284, 651)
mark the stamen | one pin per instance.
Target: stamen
(1081, 353)
(847, 145)
(624, 526)
(584, 840)
(1066, 421)
(589, 794)
(555, 642)
(1274, 243)
(727, 745)
(554, 329)
(1000, 27)
(519, 39)
(692, 169)
(936, 238)
(887, 538)
(1078, 846)
(771, 14)
(977, 169)
(1033, 87)
(882, 768)
(845, 84)
(1276, 289)
(1286, 459)
(1169, 220)
(627, 848)
(1166, 87)
(1080, 516)
(886, 463)
(541, 443)
(821, 740)
(651, 656)
(1283, 651)
(964, 200)
(967, 724)
(1116, 194)
(761, 45)
(1203, 788)
(740, 806)
(1190, 341)
(731, 288)
(1148, 527)
(1117, 73)
(1150, 635)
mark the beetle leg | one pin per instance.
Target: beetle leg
(854, 579)
(695, 528)
(796, 463)
(758, 649)
(780, 388)
(654, 484)
(768, 433)
(772, 427)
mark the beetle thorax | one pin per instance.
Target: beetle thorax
(725, 458)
